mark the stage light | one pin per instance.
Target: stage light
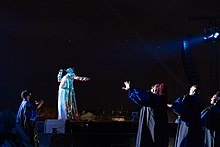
(211, 33)
(186, 44)
(216, 35)
(208, 36)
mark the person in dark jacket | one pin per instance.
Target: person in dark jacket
(189, 130)
(27, 116)
(211, 119)
(153, 122)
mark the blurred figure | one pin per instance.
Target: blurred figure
(153, 121)
(189, 130)
(11, 134)
(211, 120)
(67, 108)
(27, 116)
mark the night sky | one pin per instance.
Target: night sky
(109, 41)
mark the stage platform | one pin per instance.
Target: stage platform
(103, 133)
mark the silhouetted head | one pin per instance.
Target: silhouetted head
(160, 89)
(25, 94)
(194, 90)
(215, 98)
(7, 121)
(70, 70)
(154, 88)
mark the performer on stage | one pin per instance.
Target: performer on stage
(153, 122)
(27, 116)
(211, 120)
(67, 108)
(188, 108)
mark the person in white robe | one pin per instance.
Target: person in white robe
(67, 107)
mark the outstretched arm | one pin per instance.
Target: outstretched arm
(78, 78)
(138, 96)
(39, 104)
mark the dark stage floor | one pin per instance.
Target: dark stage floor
(93, 134)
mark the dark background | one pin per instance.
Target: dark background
(109, 41)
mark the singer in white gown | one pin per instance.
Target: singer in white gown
(67, 107)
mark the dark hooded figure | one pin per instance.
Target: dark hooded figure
(10, 133)
(189, 130)
(211, 120)
(153, 122)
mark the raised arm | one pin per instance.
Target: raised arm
(138, 96)
(59, 76)
(78, 78)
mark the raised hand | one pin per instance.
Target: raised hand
(39, 103)
(170, 105)
(127, 85)
(61, 70)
